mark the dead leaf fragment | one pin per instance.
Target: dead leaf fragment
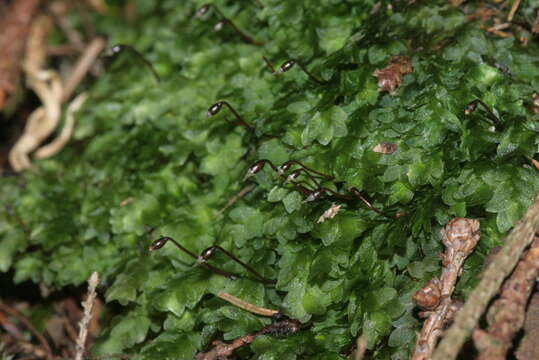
(329, 213)
(390, 77)
(385, 148)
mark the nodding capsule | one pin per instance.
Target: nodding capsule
(206, 254)
(293, 175)
(471, 107)
(118, 48)
(255, 168)
(284, 167)
(203, 10)
(220, 25)
(315, 195)
(159, 243)
(290, 64)
(287, 66)
(215, 108)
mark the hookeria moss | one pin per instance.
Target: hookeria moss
(147, 162)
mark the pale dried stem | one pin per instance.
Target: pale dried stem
(48, 86)
(245, 305)
(87, 305)
(503, 263)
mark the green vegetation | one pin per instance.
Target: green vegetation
(147, 162)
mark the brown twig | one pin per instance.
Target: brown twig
(16, 314)
(83, 324)
(281, 326)
(82, 66)
(460, 237)
(245, 305)
(506, 315)
(503, 263)
(10, 328)
(14, 29)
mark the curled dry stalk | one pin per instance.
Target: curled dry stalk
(460, 237)
(51, 91)
(506, 316)
(245, 305)
(503, 263)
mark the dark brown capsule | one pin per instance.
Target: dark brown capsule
(315, 195)
(203, 10)
(215, 108)
(159, 243)
(256, 167)
(287, 66)
(470, 108)
(119, 48)
(220, 25)
(285, 167)
(206, 254)
(294, 175)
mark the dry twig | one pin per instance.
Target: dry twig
(503, 263)
(513, 11)
(82, 66)
(506, 315)
(87, 306)
(460, 237)
(16, 314)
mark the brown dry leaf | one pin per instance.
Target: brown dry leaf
(385, 148)
(390, 77)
